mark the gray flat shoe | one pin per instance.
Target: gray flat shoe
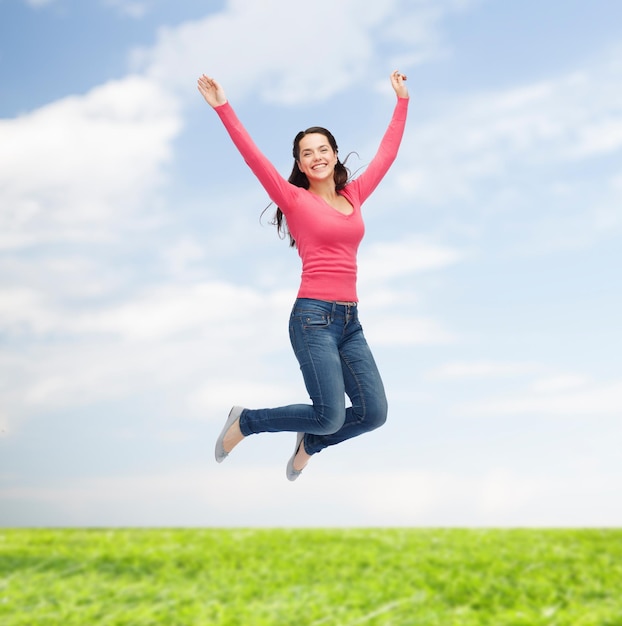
(220, 453)
(290, 472)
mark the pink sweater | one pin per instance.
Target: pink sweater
(327, 240)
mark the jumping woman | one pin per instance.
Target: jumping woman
(319, 209)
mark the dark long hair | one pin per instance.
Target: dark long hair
(341, 176)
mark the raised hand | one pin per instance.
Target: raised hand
(397, 82)
(213, 93)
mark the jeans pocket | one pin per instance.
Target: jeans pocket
(315, 319)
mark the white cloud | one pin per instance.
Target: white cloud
(503, 493)
(159, 312)
(601, 137)
(557, 394)
(182, 257)
(464, 370)
(380, 266)
(514, 151)
(130, 8)
(173, 310)
(558, 397)
(170, 338)
(564, 382)
(21, 307)
(72, 169)
(482, 135)
(217, 395)
(300, 57)
(258, 495)
(406, 330)
(383, 261)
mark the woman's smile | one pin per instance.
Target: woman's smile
(316, 156)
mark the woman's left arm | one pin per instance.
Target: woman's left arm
(365, 184)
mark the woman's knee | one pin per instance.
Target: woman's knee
(329, 419)
(376, 413)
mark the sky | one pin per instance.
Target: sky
(142, 294)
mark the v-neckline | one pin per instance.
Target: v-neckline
(330, 206)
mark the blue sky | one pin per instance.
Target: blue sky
(141, 296)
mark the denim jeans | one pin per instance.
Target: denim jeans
(335, 361)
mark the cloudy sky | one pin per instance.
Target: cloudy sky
(141, 296)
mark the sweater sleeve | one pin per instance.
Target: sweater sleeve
(386, 154)
(278, 189)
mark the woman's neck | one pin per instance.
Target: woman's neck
(325, 189)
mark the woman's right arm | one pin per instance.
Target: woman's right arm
(279, 190)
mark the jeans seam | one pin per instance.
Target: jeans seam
(362, 400)
(312, 361)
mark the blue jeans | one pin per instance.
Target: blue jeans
(335, 361)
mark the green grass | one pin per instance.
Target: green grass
(311, 577)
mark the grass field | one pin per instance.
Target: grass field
(311, 577)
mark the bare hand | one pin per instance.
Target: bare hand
(213, 93)
(397, 82)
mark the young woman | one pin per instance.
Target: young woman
(320, 209)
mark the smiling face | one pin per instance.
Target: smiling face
(317, 158)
